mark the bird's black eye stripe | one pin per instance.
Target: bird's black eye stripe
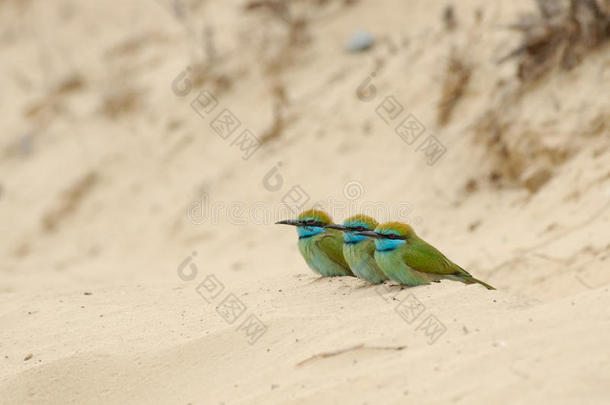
(313, 222)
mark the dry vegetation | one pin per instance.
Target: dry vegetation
(558, 37)
(457, 76)
(562, 33)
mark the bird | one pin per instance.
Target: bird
(408, 259)
(321, 248)
(359, 250)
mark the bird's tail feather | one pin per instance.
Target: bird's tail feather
(471, 280)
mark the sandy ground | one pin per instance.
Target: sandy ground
(139, 263)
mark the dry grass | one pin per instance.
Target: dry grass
(560, 35)
(457, 76)
(70, 201)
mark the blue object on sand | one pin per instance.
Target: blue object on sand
(359, 41)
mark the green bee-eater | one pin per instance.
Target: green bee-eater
(406, 258)
(359, 250)
(321, 248)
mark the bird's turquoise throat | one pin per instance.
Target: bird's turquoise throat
(387, 245)
(305, 232)
(351, 238)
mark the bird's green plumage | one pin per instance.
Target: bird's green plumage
(321, 248)
(317, 215)
(359, 251)
(323, 253)
(395, 267)
(361, 260)
(410, 260)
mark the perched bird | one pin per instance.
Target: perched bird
(359, 250)
(321, 248)
(406, 258)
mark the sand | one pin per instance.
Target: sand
(139, 260)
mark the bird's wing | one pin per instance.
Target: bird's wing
(424, 257)
(332, 245)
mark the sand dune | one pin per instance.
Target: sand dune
(139, 260)
(491, 346)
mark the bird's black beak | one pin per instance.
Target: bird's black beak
(293, 222)
(370, 234)
(337, 227)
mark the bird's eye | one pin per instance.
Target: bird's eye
(361, 228)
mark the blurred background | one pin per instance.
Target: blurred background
(140, 137)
